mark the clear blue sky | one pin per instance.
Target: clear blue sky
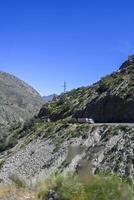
(45, 42)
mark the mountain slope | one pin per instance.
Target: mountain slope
(63, 147)
(109, 100)
(40, 148)
(18, 100)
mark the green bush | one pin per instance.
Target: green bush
(66, 187)
(93, 187)
(2, 161)
(105, 84)
(108, 188)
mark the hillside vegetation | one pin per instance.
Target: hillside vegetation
(71, 187)
(109, 100)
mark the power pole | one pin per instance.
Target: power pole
(65, 87)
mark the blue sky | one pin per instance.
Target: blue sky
(45, 42)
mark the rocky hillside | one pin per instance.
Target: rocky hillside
(39, 148)
(18, 101)
(45, 148)
(109, 100)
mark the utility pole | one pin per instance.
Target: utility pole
(64, 92)
(65, 87)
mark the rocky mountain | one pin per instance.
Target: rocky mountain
(41, 147)
(109, 100)
(18, 100)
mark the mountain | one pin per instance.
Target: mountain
(40, 147)
(18, 100)
(49, 97)
(109, 100)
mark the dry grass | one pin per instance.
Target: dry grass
(7, 190)
(11, 191)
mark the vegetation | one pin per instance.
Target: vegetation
(105, 84)
(92, 187)
(2, 161)
(10, 137)
(72, 187)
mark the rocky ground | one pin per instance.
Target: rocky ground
(76, 147)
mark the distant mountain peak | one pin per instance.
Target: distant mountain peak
(49, 97)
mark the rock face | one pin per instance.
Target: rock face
(72, 147)
(114, 97)
(109, 109)
(18, 101)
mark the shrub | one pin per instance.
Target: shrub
(10, 141)
(104, 84)
(2, 161)
(98, 187)
(108, 188)
(67, 187)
